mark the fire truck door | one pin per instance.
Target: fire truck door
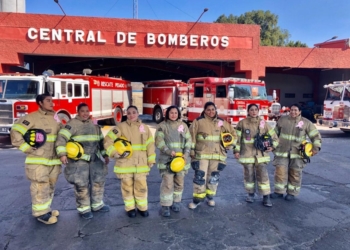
(220, 99)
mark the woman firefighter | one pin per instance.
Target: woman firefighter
(255, 140)
(211, 137)
(80, 147)
(132, 144)
(173, 139)
(35, 135)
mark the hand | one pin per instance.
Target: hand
(237, 155)
(269, 149)
(150, 165)
(173, 153)
(116, 156)
(106, 160)
(64, 159)
(314, 152)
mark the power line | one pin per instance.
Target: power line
(180, 10)
(111, 8)
(152, 9)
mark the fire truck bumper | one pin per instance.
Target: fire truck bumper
(5, 129)
(333, 124)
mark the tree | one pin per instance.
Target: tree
(270, 34)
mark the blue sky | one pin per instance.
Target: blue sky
(309, 21)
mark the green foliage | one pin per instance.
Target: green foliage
(270, 34)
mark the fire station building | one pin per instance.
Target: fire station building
(143, 50)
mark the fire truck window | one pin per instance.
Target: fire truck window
(70, 89)
(334, 93)
(243, 92)
(198, 91)
(347, 93)
(2, 87)
(46, 88)
(77, 90)
(63, 88)
(86, 90)
(221, 91)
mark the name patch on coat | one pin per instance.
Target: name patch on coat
(25, 122)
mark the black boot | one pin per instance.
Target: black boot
(250, 198)
(131, 213)
(144, 213)
(176, 207)
(289, 197)
(276, 195)
(267, 201)
(165, 211)
(87, 216)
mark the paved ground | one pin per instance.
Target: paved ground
(318, 219)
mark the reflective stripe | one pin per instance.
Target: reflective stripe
(96, 205)
(275, 144)
(313, 133)
(293, 188)
(42, 161)
(280, 186)
(193, 145)
(247, 142)
(110, 149)
(151, 158)
(24, 147)
(214, 138)
(83, 138)
(141, 202)
(280, 154)
(264, 186)
(210, 192)
(272, 132)
(210, 157)
(176, 145)
(129, 203)
(40, 207)
(65, 133)
(161, 166)
(292, 137)
(149, 141)
(19, 128)
(203, 195)
(138, 147)
(83, 209)
(246, 160)
(168, 197)
(263, 159)
(85, 157)
(295, 156)
(61, 149)
(249, 185)
(317, 143)
(160, 144)
(51, 138)
(239, 133)
(160, 134)
(129, 170)
(238, 148)
(178, 193)
(103, 152)
(187, 135)
(111, 135)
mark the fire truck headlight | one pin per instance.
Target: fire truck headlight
(320, 121)
(22, 107)
(21, 114)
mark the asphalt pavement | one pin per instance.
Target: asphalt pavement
(318, 219)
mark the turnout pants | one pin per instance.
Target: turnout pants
(88, 179)
(171, 187)
(134, 191)
(256, 172)
(288, 174)
(43, 180)
(208, 189)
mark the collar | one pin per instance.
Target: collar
(43, 112)
(137, 122)
(81, 119)
(296, 119)
(253, 119)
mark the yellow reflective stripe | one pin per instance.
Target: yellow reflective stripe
(280, 154)
(82, 209)
(51, 138)
(19, 128)
(85, 157)
(210, 157)
(178, 193)
(295, 156)
(280, 186)
(160, 134)
(160, 144)
(272, 132)
(40, 207)
(110, 150)
(251, 141)
(152, 157)
(138, 147)
(82, 138)
(142, 202)
(24, 147)
(188, 144)
(161, 166)
(129, 170)
(176, 145)
(42, 161)
(214, 138)
(210, 192)
(293, 188)
(292, 137)
(203, 195)
(249, 185)
(168, 197)
(312, 133)
(111, 135)
(263, 159)
(61, 149)
(149, 141)
(246, 160)
(187, 135)
(263, 186)
(238, 148)
(129, 203)
(103, 152)
(275, 144)
(317, 143)
(65, 133)
(95, 205)
(239, 133)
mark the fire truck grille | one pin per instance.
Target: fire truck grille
(6, 114)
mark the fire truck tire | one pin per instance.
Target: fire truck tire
(158, 115)
(118, 115)
(63, 117)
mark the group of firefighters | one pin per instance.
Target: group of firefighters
(81, 146)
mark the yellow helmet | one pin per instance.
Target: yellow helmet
(306, 149)
(226, 139)
(74, 150)
(177, 164)
(123, 147)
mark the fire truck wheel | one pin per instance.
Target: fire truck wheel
(118, 115)
(63, 117)
(158, 115)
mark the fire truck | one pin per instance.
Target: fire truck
(107, 97)
(336, 106)
(230, 95)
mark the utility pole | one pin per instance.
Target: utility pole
(135, 14)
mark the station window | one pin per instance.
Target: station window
(70, 89)
(77, 90)
(289, 95)
(86, 90)
(221, 91)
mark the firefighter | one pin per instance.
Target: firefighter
(289, 163)
(208, 154)
(35, 135)
(173, 139)
(255, 140)
(84, 167)
(132, 167)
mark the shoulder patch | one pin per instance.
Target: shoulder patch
(115, 131)
(68, 127)
(25, 122)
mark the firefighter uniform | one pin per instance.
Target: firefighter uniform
(288, 162)
(208, 151)
(172, 136)
(254, 161)
(88, 174)
(133, 171)
(42, 165)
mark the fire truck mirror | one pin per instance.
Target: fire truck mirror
(231, 93)
(49, 87)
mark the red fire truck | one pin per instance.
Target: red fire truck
(230, 95)
(107, 97)
(336, 106)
